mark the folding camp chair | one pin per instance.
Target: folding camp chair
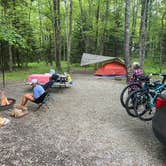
(42, 100)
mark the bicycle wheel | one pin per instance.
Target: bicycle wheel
(143, 106)
(127, 90)
(130, 104)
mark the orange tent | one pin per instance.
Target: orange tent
(113, 68)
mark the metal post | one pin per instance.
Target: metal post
(3, 71)
(2, 66)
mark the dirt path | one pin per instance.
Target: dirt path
(84, 126)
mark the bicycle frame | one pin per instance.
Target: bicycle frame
(153, 94)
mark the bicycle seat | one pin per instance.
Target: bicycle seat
(164, 77)
(143, 78)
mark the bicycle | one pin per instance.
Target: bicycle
(143, 100)
(134, 85)
(129, 104)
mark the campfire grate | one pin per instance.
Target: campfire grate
(9, 106)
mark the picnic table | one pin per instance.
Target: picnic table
(44, 78)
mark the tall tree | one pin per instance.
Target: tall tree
(97, 15)
(162, 40)
(82, 26)
(127, 38)
(103, 36)
(69, 37)
(40, 22)
(134, 23)
(57, 34)
(143, 32)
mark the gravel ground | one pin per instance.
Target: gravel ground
(84, 126)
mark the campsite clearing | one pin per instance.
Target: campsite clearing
(84, 126)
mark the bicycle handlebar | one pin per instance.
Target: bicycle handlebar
(161, 75)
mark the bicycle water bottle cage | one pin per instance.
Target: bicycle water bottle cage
(152, 86)
(157, 83)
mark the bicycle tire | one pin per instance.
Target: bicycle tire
(127, 89)
(142, 103)
(130, 105)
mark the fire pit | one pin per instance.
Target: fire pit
(9, 106)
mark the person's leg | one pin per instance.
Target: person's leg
(26, 97)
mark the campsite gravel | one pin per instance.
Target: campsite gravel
(85, 125)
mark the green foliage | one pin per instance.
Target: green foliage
(9, 35)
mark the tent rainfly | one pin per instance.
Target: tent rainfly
(88, 59)
(112, 66)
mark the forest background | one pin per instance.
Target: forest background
(58, 31)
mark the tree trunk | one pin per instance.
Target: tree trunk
(127, 39)
(134, 23)
(97, 27)
(149, 25)
(67, 26)
(28, 51)
(82, 19)
(51, 7)
(103, 37)
(57, 30)
(6, 48)
(143, 32)
(161, 40)
(90, 5)
(40, 21)
(69, 38)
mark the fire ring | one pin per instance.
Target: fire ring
(9, 106)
